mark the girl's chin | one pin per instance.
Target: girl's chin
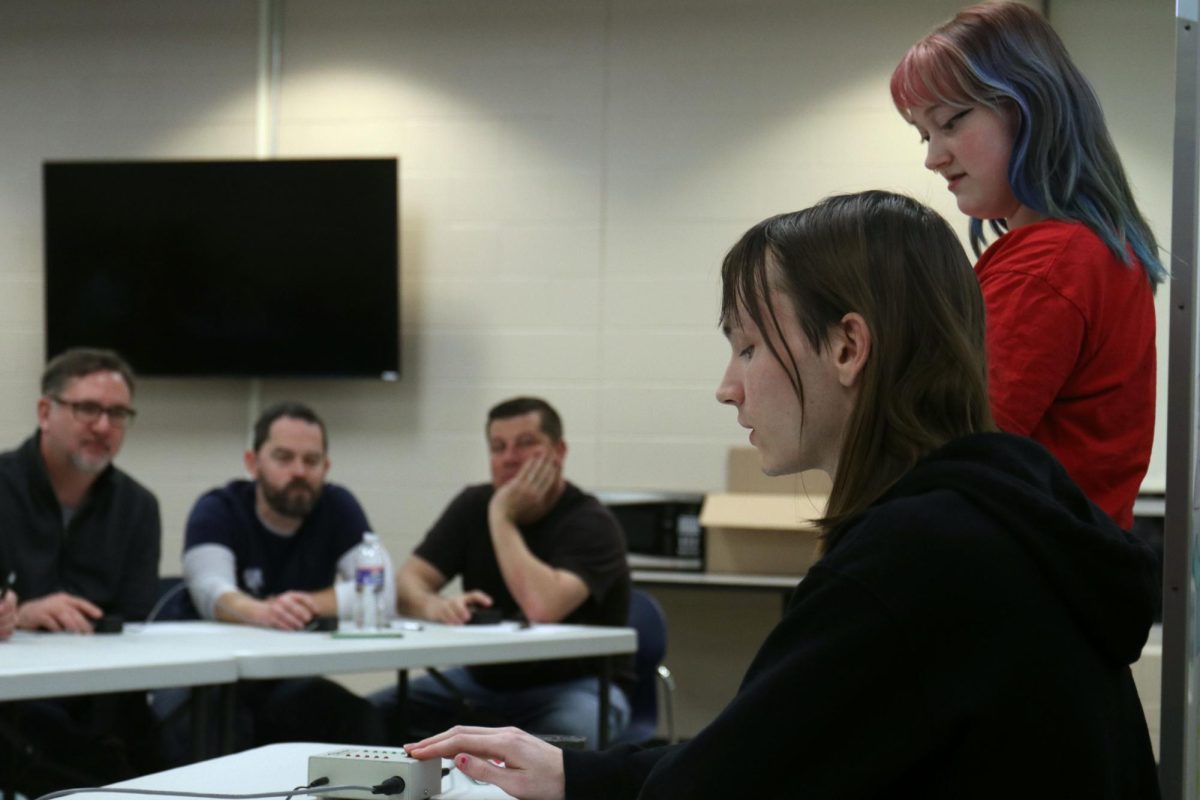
(774, 468)
(987, 213)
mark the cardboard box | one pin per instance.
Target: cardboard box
(744, 474)
(760, 534)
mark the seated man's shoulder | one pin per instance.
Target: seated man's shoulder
(21, 489)
(222, 515)
(475, 494)
(18, 463)
(8, 458)
(477, 490)
(234, 498)
(583, 511)
(577, 501)
(338, 502)
(11, 469)
(337, 493)
(238, 492)
(131, 487)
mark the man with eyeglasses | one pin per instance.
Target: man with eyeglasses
(84, 537)
(81, 541)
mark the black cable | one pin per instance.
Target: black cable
(212, 795)
(393, 785)
(314, 784)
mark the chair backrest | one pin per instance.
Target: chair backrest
(647, 618)
(174, 602)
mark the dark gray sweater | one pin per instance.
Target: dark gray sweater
(108, 554)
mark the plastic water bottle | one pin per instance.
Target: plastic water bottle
(369, 613)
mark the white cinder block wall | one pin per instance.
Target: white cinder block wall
(571, 174)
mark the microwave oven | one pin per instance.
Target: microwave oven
(662, 529)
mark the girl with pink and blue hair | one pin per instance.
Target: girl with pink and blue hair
(1017, 132)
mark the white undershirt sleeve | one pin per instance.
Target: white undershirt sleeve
(209, 570)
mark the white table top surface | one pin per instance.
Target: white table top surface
(281, 654)
(64, 664)
(194, 653)
(273, 767)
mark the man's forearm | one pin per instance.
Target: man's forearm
(545, 594)
(326, 602)
(412, 599)
(237, 607)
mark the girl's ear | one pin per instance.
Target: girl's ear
(850, 344)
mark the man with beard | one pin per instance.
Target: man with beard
(278, 552)
(81, 540)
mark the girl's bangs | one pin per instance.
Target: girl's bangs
(932, 72)
(741, 278)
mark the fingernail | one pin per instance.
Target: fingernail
(460, 761)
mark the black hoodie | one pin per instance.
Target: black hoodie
(968, 636)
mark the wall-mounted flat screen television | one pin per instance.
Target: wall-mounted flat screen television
(279, 268)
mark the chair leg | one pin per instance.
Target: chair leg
(446, 684)
(668, 683)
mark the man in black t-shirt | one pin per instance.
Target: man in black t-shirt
(531, 546)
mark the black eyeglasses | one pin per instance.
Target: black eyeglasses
(89, 411)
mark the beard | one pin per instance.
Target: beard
(295, 500)
(90, 464)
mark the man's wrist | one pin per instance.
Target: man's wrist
(501, 521)
(496, 509)
(240, 608)
(429, 607)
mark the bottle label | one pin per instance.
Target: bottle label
(369, 577)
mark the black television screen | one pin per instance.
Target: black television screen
(237, 268)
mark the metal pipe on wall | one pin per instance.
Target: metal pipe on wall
(266, 131)
(270, 65)
(1178, 739)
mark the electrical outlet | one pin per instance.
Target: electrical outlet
(370, 766)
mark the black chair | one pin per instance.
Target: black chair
(96, 739)
(183, 737)
(174, 603)
(647, 618)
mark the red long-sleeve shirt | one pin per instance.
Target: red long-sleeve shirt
(1071, 355)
